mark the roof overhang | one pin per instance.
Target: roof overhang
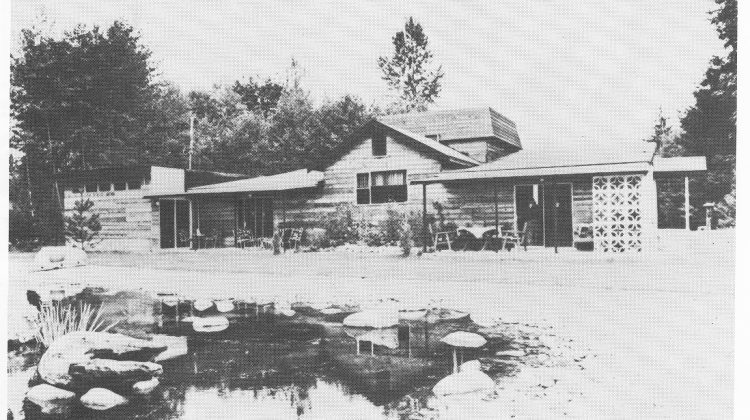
(462, 175)
(295, 180)
(679, 164)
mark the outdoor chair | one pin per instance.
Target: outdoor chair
(515, 238)
(183, 238)
(294, 239)
(442, 238)
(247, 238)
(212, 238)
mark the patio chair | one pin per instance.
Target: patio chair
(212, 238)
(295, 238)
(516, 238)
(246, 238)
(442, 238)
(183, 238)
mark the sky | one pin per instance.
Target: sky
(595, 71)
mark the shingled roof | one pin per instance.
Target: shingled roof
(458, 124)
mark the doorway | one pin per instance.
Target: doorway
(558, 215)
(546, 212)
(174, 223)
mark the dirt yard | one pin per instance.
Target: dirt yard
(651, 336)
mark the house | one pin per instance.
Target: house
(470, 161)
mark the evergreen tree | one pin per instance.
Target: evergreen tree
(409, 70)
(82, 226)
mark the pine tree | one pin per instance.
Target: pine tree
(409, 70)
(82, 226)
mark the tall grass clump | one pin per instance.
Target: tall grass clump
(56, 320)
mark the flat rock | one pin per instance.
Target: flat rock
(465, 382)
(78, 348)
(50, 399)
(470, 365)
(101, 399)
(511, 353)
(145, 387)
(113, 373)
(176, 346)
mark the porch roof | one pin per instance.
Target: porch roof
(294, 180)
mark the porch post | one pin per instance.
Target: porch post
(649, 211)
(497, 218)
(424, 217)
(190, 211)
(687, 203)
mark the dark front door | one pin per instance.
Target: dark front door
(166, 223)
(558, 215)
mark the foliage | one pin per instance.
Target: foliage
(276, 242)
(392, 226)
(83, 100)
(341, 225)
(261, 98)
(318, 238)
(56, 320)
(82, 226)
(710, 126)
(405, 241)
(409, 70)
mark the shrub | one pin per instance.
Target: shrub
(392, 227)
(405, 241)
(56, 320)
(340, 225)
(318, 238)
(416, 225)
(276, 243)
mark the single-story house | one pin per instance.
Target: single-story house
(470, 161)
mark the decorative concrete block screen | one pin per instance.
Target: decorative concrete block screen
(617, 213)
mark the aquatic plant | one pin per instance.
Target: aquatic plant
(56, 320)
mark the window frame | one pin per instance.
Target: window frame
(373, 191)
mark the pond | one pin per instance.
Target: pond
(269, 366)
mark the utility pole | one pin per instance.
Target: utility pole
(191, 150)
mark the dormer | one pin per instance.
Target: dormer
(481, 133)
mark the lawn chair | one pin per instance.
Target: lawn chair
(212, 238)
(442, 238)
(246, 238)
(294, 239)
(183, 238)
(516, 238)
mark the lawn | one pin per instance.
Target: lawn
(653, 334)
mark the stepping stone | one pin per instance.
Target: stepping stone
(101, 399)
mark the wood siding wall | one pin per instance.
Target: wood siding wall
(126, 218)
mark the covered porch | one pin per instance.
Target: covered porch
(234, 213)
(606, 207)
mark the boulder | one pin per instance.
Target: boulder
(101, 399)
(50, 399)
(78, 348)
(465, 382)
(113, 373)
(145, 387)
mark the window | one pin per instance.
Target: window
(433, 136)
(363, 188)
(379, 144)
(381, 187)
(120, 186)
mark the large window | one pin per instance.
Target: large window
(381, 187)
(379, 147)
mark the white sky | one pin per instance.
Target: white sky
(597, 69)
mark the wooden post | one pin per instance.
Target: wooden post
(497, 219)
(424, 218)
(687, 203)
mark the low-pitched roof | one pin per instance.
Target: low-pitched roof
(294, 180)
(573, 158)
(458, 124)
